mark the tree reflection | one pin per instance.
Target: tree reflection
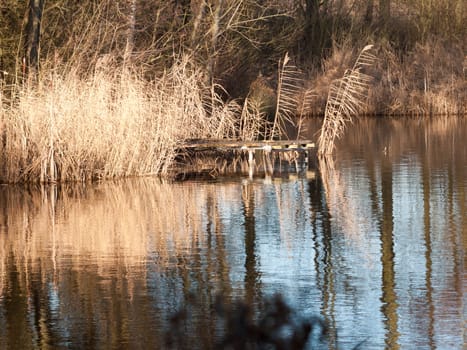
(427, 237)
(389, 297)
(252, 275)
(321, 215)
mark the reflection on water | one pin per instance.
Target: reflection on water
(374, 244)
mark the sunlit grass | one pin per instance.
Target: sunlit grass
(111, 124)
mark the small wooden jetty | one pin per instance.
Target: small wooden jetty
(264, 156)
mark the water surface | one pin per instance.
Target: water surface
(373, 244)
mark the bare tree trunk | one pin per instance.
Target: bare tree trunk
(214, 36)
(313, 30)
(368, 18)
(33, 32)
(200, 13)
(130, 37)
(384, 11)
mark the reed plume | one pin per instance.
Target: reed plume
(346, 98)
(267, 111)
(289, 93)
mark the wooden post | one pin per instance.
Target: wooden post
(251, 163)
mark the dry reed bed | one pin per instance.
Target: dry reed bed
(111, 124)
(430, 79)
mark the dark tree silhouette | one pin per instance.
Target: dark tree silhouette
(33, 30)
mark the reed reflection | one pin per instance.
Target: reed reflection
(77, 261)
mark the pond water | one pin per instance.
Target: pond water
(372, 245)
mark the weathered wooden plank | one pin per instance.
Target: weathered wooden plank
(264, 145)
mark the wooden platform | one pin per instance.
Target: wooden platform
(266, 145)
(252, 157)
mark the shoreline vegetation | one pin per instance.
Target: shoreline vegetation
(95, 90)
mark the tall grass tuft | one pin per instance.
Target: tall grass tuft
(289, 94)
(253, 120)
(112, 123)
(346, 99)
(267, 111)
